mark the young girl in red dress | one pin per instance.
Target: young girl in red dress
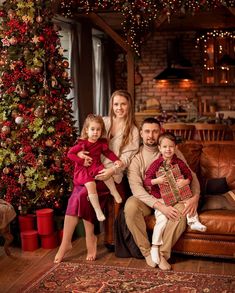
(93, 141)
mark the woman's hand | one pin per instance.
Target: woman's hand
(105, 174)
(87, 160)
(191, 205)
(118, 164)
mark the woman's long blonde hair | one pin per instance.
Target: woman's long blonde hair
(130, 119)
(93, 118)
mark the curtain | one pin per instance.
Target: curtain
(70, 43)
(102, 78)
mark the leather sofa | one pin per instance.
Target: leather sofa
(210, 160)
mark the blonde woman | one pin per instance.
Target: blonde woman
(123, 138)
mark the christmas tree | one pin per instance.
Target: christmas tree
(36, 122)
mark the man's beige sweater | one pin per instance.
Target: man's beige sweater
(136, 173)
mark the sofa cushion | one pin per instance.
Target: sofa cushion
(215, 202)
(217, 161)
(224, 201)
(191, 152)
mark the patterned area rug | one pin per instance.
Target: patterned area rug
(84, 278)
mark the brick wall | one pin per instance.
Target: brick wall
(154, 59)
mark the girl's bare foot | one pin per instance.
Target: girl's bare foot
(91, 243)
(61, 252)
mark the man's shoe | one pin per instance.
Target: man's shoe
(164, 264)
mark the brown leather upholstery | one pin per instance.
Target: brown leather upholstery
(192, 151)
(217, 222)
(209, 160)
(232, 128)
(218, 161)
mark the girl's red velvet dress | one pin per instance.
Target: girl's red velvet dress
(78, 205)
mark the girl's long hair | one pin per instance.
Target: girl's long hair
(92, 118)
(130, 119)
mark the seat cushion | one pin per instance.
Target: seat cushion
(218, 222)
(221, 222)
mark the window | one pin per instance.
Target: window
(67, 43)
(218, 50)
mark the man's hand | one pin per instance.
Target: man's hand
(104, 174)
(170, 212)
(182, 182)
(191, 205)
(84, 155)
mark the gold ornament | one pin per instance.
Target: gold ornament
(36, 70)
(61, 191)
(26, 51)
(54, 81)
(39, 112)
(49, 192)
(23, 93)
(49, 142)
(11, 13)
(6, 129)
(65, 74)
(14, 113)
(39, 19)
(6, 170)
(21, 179)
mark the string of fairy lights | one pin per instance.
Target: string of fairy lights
(139, 15)
(206, 38)
(219, 43)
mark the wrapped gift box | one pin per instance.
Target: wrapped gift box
(170, 193)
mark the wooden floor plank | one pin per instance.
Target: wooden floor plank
(23, 267)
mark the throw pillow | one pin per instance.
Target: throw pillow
(216, 186)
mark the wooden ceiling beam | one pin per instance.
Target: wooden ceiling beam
(108, 30)
(232, 10)
(160, 20)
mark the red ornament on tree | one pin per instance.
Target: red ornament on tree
(41, 38)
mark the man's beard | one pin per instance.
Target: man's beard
(153, 144)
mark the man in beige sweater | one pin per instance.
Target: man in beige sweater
(142, 203)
